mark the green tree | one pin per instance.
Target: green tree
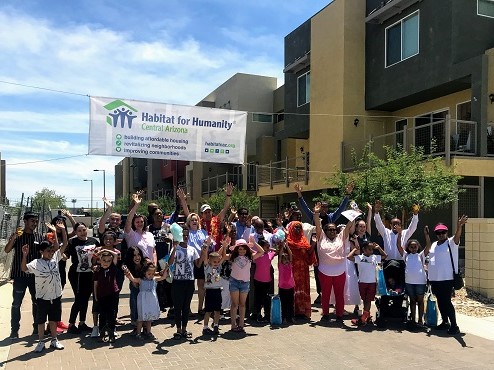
(400, 180)
(48, 198)
(238, 199)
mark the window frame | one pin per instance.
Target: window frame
(483, 15)
(256, 117)
(307, 89)
(417, 13)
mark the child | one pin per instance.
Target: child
(185, 258)
(48, 289)
(241, 258)
(415, 276)
(262, 282)
(286, 283)
(105, 293)
(109, 242)
(134, 260)
(366, 263)
(148, 308)
(213, 286)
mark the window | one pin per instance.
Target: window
(429, 131)
(303, 89)
(402, 39)
(485, 8)
(259, 117)
(399, 129)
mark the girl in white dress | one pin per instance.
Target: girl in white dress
(148, 308)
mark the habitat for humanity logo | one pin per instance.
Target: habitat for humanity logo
(120, 111)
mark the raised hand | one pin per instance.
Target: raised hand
(25, 249)
(107, 202)
(349, 188)
(415, 209)
(66, 213)
(59, 225)
(50, 227)
(463, 220)
(181, 194)
(298, 189)
(136, 197)
(369, 206)
(377, 206)
(317, 207)
(229, 189)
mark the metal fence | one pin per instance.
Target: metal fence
(10, 218)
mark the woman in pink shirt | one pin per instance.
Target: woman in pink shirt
(136, 234)
(332, 264)
(241, 259)
(286, 283)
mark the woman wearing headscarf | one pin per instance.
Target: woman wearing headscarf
(303, 257)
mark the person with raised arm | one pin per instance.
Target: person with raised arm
(390, 235)
(443, 263)
(136, 233)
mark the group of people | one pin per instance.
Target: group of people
(230, 259)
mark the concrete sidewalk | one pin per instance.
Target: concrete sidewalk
(308, 345)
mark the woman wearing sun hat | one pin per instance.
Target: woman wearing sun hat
(441, 272)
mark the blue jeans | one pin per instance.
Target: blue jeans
(20, 285)
(133, 301)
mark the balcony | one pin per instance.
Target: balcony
(440, 138)
(287, 171)
(388, 9)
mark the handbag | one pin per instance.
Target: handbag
(381, 282)
(458, 282)
(430, 309)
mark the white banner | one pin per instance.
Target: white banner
(139, 129)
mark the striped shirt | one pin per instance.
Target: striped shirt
(33, 240)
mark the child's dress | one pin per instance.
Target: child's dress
(147, 301)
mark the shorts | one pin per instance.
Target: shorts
(51, 309)
(199, 272)
(239, 285)
(212, 300)
(367, 291)
(414, 290)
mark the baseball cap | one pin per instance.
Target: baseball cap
(440, 227)
(205, 207)
(30, 214)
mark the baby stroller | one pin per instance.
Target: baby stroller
(395, 303)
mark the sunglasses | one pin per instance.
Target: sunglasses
(330, 229)
(442, 232)
(243, 214)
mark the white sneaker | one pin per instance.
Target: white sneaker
(40, 347)
(56, 344)
(115, 334)
(95, 332)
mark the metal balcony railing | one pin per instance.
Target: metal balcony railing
(445, 137)
(286, 171)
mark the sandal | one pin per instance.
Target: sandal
(177, 336)
(239, 329)
(186, 334)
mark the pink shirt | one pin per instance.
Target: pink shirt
(285, 277)
(241, 268)
(332, 258)
(145, 242)
(263, 267)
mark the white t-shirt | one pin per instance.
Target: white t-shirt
(184, 263)
(46, 277)
(367, 267)
(440, 262)
(414, 270)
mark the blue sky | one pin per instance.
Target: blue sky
(173, 51)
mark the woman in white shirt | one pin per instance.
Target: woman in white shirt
(136, 234)
(441, 272)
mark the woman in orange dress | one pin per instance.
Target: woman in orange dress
(303, 257)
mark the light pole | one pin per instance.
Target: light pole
(104, 187)
(91, 200)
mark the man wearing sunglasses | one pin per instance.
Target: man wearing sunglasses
(390, 235)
